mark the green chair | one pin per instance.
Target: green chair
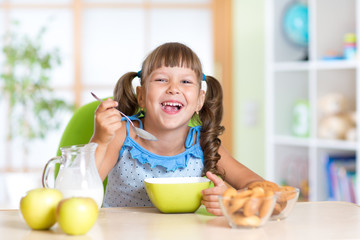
(79, 129)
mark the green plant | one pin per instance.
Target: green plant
(25, 83)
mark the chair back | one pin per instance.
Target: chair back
(80, 127)
(79, 130)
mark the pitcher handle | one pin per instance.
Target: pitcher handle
(47, 167)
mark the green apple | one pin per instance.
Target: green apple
(77, 215)
(38, 207)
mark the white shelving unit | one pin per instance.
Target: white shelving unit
(301, 160)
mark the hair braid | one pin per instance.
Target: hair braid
(211, 116)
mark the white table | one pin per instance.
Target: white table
(311, 220)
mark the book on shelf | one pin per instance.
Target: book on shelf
(341, 177)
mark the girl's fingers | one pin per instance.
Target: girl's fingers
(107, 121)
(110, 115)
(215, 211)
(110, 124)
(215, 179)
(108, 103)
(213, 191)
(210, 204)
(217, 190)
(210, 198)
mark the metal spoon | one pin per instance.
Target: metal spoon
(140, 132)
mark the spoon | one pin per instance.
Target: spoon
(140, 132)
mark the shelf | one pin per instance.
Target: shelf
(290, 80)
(312, 65)
(293, 141)
(318, 143)
(338, 64)
(291, 66)
(336, 144)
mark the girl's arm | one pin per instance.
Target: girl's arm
(108, 154)
(236, 174)
(109, 134)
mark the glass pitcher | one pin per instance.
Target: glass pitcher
(78, 176)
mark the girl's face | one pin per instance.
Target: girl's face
(171, 95)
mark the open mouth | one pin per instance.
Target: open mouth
(171, 106)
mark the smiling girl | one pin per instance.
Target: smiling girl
(170, 96)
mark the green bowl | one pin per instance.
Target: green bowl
(177, 194)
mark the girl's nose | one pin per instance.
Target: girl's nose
(173, 89)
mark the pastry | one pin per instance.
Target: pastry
(266, 185)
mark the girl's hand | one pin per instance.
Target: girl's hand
(107, 122)
(210, 196)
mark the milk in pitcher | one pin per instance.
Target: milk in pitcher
(72, 185)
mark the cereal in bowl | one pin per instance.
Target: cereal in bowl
(247, 208)
(286, 197)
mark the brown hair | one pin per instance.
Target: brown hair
(210, 116)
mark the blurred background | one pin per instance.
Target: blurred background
(275, 59)
(89, 44)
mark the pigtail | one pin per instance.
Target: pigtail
(211, 116)
(125, 95)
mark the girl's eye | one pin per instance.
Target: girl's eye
(186, 81)
(160, 80)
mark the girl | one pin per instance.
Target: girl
(168, 98)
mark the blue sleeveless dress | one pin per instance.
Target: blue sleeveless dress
(125, 187)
